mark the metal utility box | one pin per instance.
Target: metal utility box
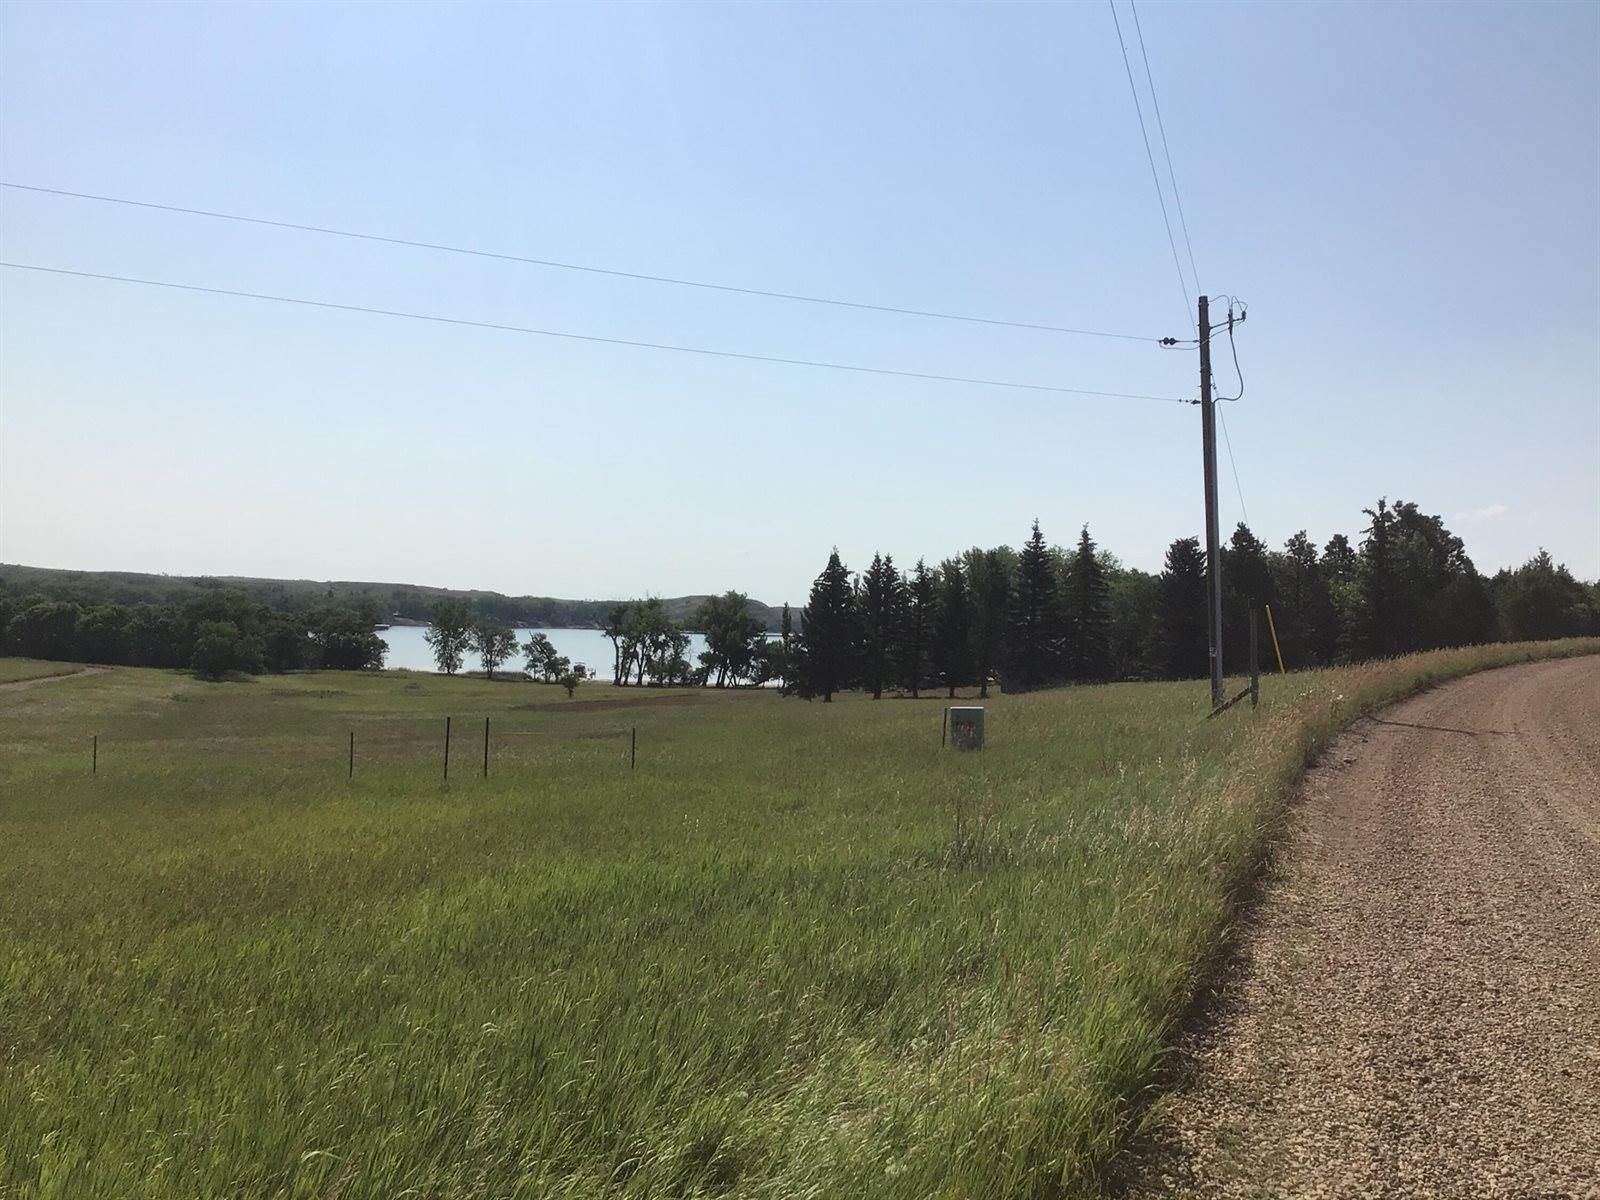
(966, 728)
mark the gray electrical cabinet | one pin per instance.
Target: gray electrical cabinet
(966, 728)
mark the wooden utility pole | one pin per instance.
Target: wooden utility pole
(1208, 430)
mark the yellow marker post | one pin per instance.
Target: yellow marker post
(1273, 628)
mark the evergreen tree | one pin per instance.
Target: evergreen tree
(1303, 612)
(1339, 560)
(1034, 625)
(1372, 634)
(922, 596)
(828, 640)
(1183, 649)
(1541, 599)
(1134, 600)
(882, 608)
(989, 584)
(1088, 614)
(952, 630)
(1246, 587)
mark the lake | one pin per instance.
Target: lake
(591, 647)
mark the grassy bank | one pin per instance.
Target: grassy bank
(762, 964)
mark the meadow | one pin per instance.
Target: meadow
(798, 951)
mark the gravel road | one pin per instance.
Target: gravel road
(1414, 1005)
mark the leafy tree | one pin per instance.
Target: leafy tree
(45, 629)
(666, 655)
(493, 644)
(828, 639)
(571, 678)
(222, 649)
(544, 661)
(922, 601)
(732, 636)
(342, 640)
(1034, 622)
(101, 634)
(951, 647)
(882, 606)
(1088, 614)
(449, 634)
(1183, 642)
(614, 629)
(156, 635)
(286, 644)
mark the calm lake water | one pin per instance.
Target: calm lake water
(587, 646)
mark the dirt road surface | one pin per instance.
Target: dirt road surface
(17, 685)
(1414, 1006)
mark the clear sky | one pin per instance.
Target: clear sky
(1406, 195)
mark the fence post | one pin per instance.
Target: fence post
(486, 747)
(944, 727)
(447, 749)
(94, 760)
(633, 749)
(1255, 666)
(352, 774)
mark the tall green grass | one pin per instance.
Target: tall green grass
(760, 965)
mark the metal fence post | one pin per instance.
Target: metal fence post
(1255, 666)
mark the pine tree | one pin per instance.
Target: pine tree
(1246, 586)
(1088, 614)
(828, 640)
(1034, 624)
(1303, 612)
(1374, 629)
(1183, 650)
(883, 606)
(989, 582)
(952, 628)
(922, 596)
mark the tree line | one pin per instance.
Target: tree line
(398, 603)
(216, 634)
(649, 647)
(1044, 615)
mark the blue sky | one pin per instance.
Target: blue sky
(1406, 195)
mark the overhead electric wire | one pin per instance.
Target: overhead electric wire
(1161, 127)
(1236, 370)
(588, 337)
(583, 267)
(1155, 176)
(1228, 442)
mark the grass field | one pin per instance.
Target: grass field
(762, 964)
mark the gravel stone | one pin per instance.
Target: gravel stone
(1413, 1008)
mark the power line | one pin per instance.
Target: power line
(1232, 346)
(588, 337)
(1226, 441)
(1155, 177)
(569, 266)
(1161, 126)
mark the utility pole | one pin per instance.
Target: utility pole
(1208, 431)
